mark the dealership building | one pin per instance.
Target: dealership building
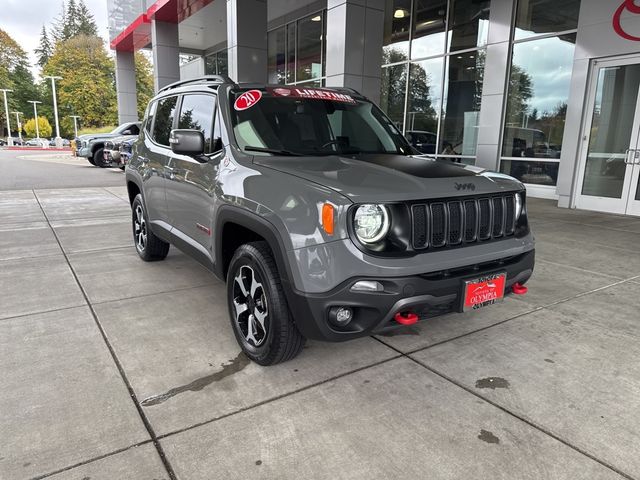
(543, 90)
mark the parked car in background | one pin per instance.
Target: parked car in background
(126, 149)
(65, 142)
(3, 142)
(17, 141)
(91, 146)
(111, 154)
(424, 142)
(36, 142)
(320, 216)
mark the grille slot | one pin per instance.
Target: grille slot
(438, 225)
(498, 217)
(456, 222)
(420, 226)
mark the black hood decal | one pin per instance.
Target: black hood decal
(418, 166)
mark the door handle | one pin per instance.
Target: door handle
(628, 161)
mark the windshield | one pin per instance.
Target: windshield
(297, 121)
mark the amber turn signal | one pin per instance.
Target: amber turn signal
(327, 218)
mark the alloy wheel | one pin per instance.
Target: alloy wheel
(250, 305)
(140, 229)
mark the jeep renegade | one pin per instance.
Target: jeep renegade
(320, 216)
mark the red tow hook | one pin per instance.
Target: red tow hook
(406, 318)
(519, 289)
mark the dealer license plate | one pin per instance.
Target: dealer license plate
(484, 291)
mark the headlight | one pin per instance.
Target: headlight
(518, 205)
(371, 223)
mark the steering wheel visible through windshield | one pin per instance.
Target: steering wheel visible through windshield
(311, 122)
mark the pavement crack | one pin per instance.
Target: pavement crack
(234, 366)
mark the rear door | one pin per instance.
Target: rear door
(191, 182)
(156, 157)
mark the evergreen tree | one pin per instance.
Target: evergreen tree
(58, 25)
(69, 25)
(45, 49)
(86, 24)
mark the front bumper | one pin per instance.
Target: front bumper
(83, 152)
(429, 295)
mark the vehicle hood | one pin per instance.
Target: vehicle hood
(93, 136)
(388, 178)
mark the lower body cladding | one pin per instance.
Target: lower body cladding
(346, 312)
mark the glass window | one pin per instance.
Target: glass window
(222, 63)
(315, 127)
(546, 16)
(276, 42)
(461, 105)
(291, 53)
(210, 64)
(164, 120)
(151, 113)
(423, 109)
(392, 95)
(397, 24)
(309, 48)
(468, 24)
(537, 100)
(196, 113)
(536, 172)
(429, 28)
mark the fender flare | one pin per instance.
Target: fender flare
(261, 226)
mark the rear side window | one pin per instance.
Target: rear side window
(150, 114)
(196, 113)
(164, 120)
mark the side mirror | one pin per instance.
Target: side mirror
(187, 142)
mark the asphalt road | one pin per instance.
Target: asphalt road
(24, 170)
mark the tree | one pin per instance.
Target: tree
(86, 23)
(74, 19)
(58, 25)
(87, 87)
(15, 75)
(144, 82)
(45, 49)
(44, 127)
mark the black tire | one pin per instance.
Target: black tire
(91, 161)
(279, 340)
(98, 158)
(149, 247)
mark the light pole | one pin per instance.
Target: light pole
(35, 115)
(75, 123)
(19, 125)
(6, 115)
(55, 108)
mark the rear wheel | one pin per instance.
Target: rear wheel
(258, 308)
(149, 247)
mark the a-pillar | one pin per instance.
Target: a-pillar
(166, 53)
(126, 87)
(247, 40)
(354, 45)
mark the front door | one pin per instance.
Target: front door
(610, 164)
(192, 182)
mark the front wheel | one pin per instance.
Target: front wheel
(149, 247)
(258, 308)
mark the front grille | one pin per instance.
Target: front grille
(455, 222)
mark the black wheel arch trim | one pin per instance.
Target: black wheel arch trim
(259, 225)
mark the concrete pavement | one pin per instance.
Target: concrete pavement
(116, 368)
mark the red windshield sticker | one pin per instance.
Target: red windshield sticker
(313, 93)
(247, 100)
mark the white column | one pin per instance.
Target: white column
(166, 53)
(126, 87)
(354, 45)
(494, 94)
(247, 40)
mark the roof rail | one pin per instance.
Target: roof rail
(215, 79)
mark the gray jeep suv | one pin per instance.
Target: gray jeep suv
(322, 219)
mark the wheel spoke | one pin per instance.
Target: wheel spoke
(240, 308)
(261, 317)
(240, 281)
(255, 285)
(251, 337)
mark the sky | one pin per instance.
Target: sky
(23, 20)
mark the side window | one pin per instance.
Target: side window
(164, 120)
(150, 114)
(134, 130)
(196, 113)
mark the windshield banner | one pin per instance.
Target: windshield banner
(313, 93)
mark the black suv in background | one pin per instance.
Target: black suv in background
(320, 216)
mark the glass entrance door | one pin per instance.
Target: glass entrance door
(611, 154)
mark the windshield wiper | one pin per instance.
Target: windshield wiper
(275, 151)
